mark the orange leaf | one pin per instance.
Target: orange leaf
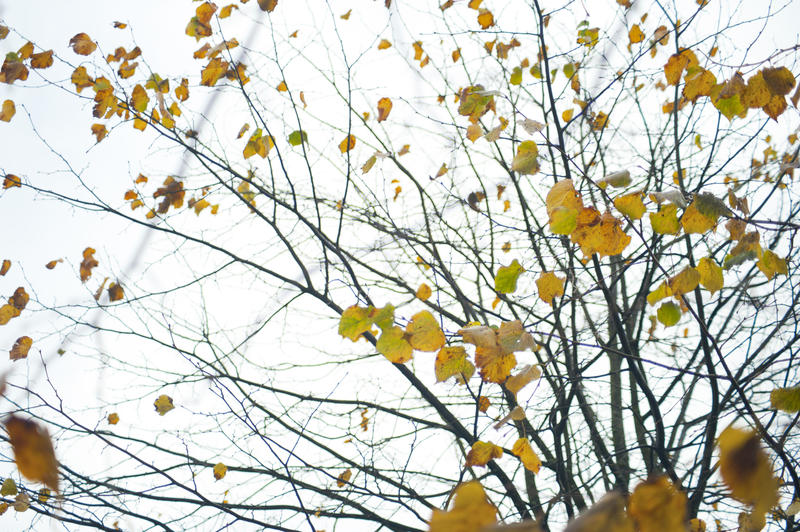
(384, 44)
(384, 108)
(482, 452)
(8, 111)
(87, 264)
(33, 451)
(347, 144)
(343, 478)
(4, 268)
(115, 292)
(42, 59)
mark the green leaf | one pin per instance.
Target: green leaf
(393, 345)
(505, 281)
(730, 107)
(669, 314)
(526, 161)
(298, 137)
(786, 399)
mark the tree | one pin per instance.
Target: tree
(574, 248)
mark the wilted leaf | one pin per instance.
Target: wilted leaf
(505, 281)
(21, 348)
(13, 69)
(113, 418)
(22, 502)
(33, 451)
(42, 59)
(601, 234)
(786, 399)
(550, 286)
(470, 512)
(617, 179)
(163, 404)
(656, 505)
(526, 375)
(482, 452)
(82, 44)
(219, 471)
(424, 332)
(5, 267)
(608, 514)
(522, 450)
(474, 102)
(115, 292)
(343, 478)
(779, 80)
(99, 131)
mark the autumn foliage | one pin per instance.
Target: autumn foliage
(501, 266)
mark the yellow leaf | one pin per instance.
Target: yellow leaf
(779, 80)
(481, 453)
(677, 63)
(384, 108)
(635, 35)
(601, 234)
(665, 221)
(526, 161)
(346, 16)
(226, 11)
(606, 515)
(5, 267)
(522, 450)
(213, 71)
(163, 404)
(471, 511)
(8, 111)
(694, 221)
(424, 332)
(710, 274)
(343, 478)
(550, 286)
(347, 144)
(8, 488)
(656, 505)
(566, 116)
(685, 282)
(746, 470)
(20, 348)
(474, 132)
(113, 418)
(770, 265)
(219, 471)
(451, 361)
(630, 205)
(663, 291)
(424, 292)
(282, 87)
(33, 451)
(384, 44)
(699, 82)
(786, 399)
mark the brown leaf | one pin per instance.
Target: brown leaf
(21, 348)
(267, 5)
(33, 451)
(82, 44)
(88, 263)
